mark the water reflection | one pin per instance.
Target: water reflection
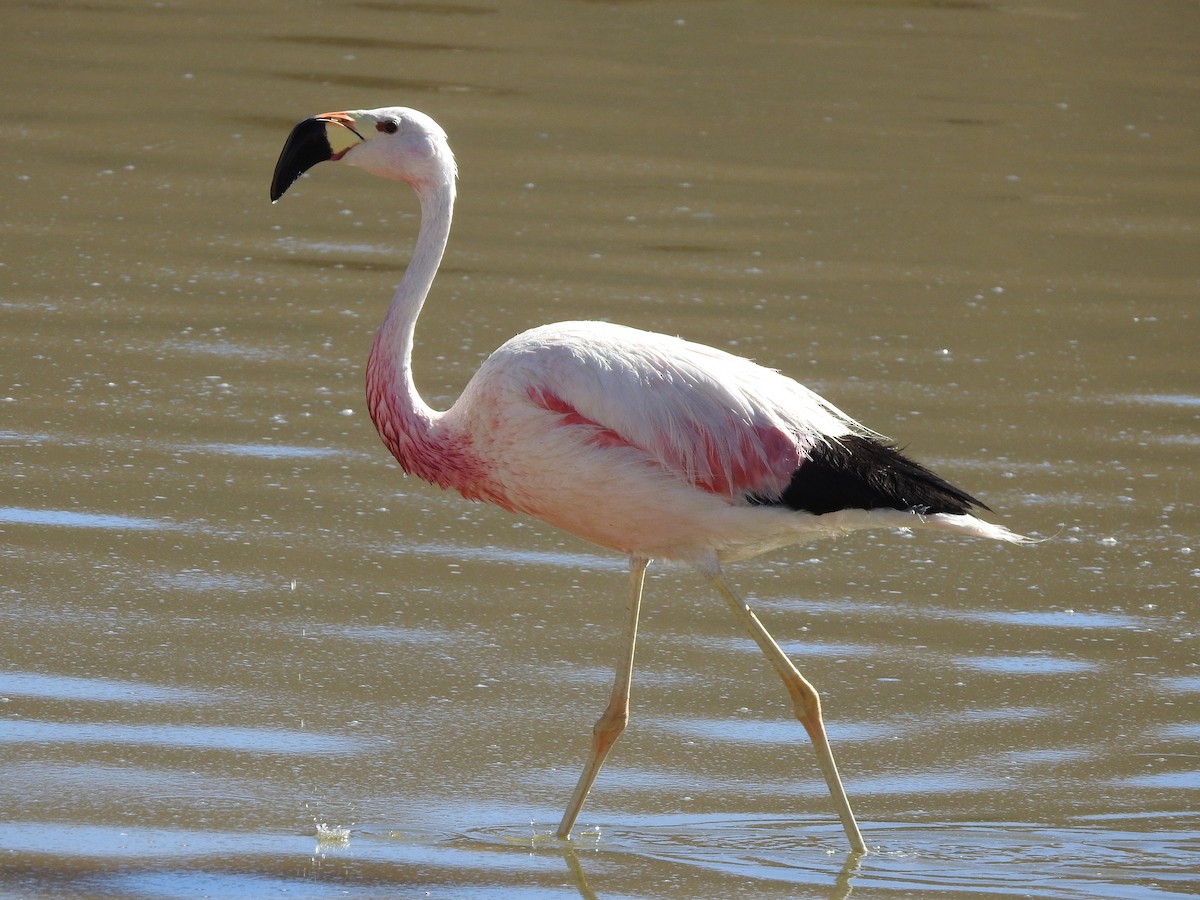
(94, 689)
(265, 451)
(963, 860)
(1031, 664)
(65, 518)
(183, 737)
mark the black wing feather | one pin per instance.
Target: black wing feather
(856, 472)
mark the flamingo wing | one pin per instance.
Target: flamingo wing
(716, 421)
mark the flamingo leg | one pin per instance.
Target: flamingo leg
(612, 722)
(805, 700)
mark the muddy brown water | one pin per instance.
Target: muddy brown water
(242, 655)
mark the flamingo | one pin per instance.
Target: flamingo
(642, 443)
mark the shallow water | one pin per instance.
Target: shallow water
(245, 656)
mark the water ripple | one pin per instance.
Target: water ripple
(66, 518)
(188, 737)
(1026, 665)
(65, 687)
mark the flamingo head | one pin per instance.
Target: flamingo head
(393, 142)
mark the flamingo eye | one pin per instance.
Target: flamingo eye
(388, 126)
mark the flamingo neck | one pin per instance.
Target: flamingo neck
(405, 422)
(391, 357)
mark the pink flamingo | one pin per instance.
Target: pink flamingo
(639, 442)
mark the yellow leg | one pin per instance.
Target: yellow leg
(610, 725)
(805, 701)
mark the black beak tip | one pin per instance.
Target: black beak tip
(306, 146)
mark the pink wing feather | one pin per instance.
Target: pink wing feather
(717, 421)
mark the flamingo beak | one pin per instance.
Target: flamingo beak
(317, 139)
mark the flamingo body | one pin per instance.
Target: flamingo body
(639, 442)
(642, 443)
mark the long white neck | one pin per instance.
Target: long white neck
(405, 421)
(422, 439)
(394, 340)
